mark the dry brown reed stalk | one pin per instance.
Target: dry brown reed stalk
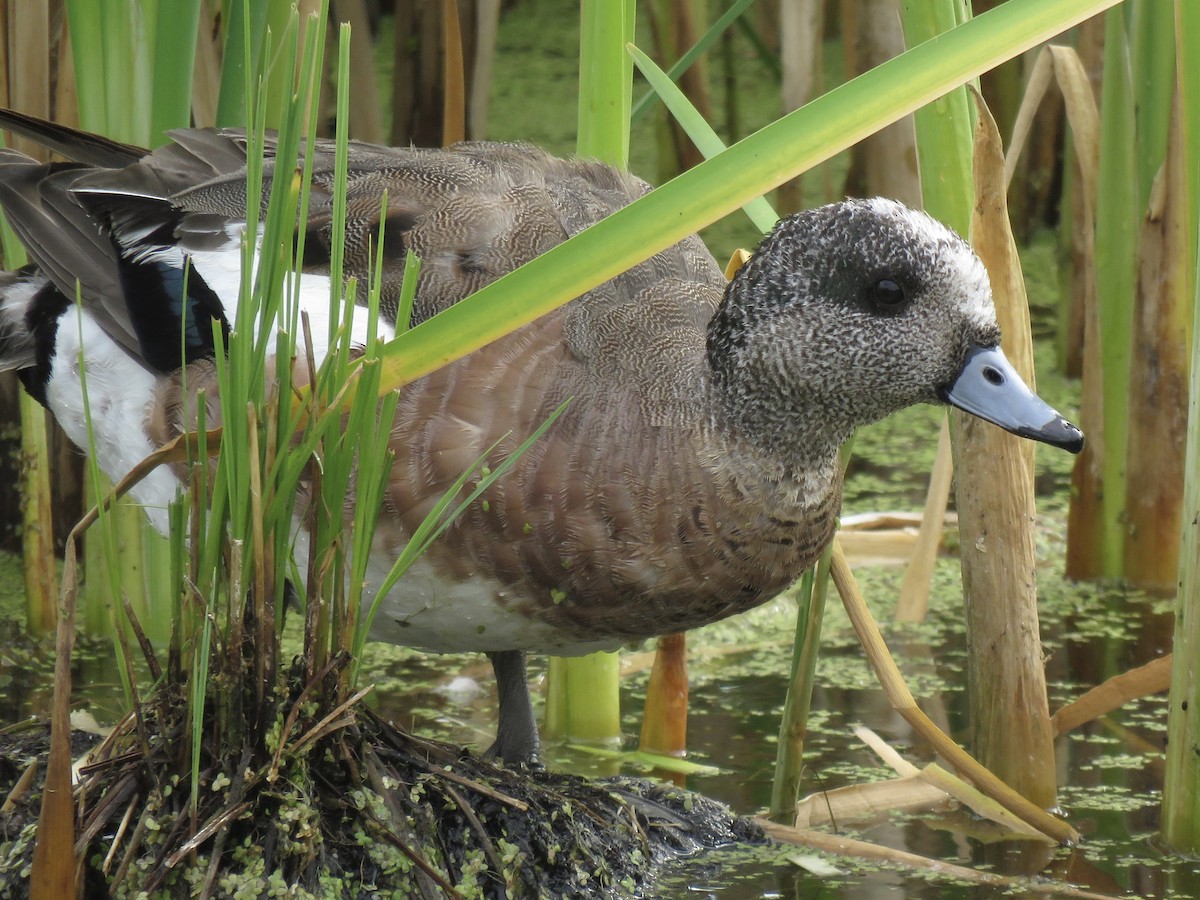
(928, 789)
(1063, 67)
(675, 26)
(1010, 721)
(55, 867)
(454, 98)
(1152, 678)
(1158, 384)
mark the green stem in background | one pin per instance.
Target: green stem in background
(1153, 68)
(244, 27)
(37, 535)
(87, 55)
(1118, 215)
(1181, 788)
(583, 699)
(1155, 432)
(945, 127)
(605, 80)
(1187, 37)
(174, 63)
(254, 36)
(127, 63)
(718, 28)
(793, 723)
(583, 695)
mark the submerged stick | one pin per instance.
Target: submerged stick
(844, 846)
(1152, 678)
(914, 590)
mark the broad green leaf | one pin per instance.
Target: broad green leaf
(718, 186)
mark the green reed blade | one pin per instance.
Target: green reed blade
(707, 141)
(718, 28)
(1181, 788)
(1117, 218)
(173, 65)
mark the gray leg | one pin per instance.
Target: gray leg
(516, 735)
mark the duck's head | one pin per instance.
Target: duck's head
(852, 311)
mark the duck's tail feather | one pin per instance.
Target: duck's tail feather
(62, 240)
(80, 146)
(102, 227)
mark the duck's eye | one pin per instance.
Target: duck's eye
(887, 294)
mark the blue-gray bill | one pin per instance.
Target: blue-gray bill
(990, 388)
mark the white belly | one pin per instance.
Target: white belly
(433, 613)
(119, 393)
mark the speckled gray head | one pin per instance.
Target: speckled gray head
(855, 310)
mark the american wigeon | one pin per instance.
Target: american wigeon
(694, 475)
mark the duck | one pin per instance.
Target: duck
(692, 476)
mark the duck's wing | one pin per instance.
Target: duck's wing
(79, 146)
(96, 225)
(472, 212)
(124, 223)
(62, 240)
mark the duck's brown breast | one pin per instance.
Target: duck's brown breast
(616, 525)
